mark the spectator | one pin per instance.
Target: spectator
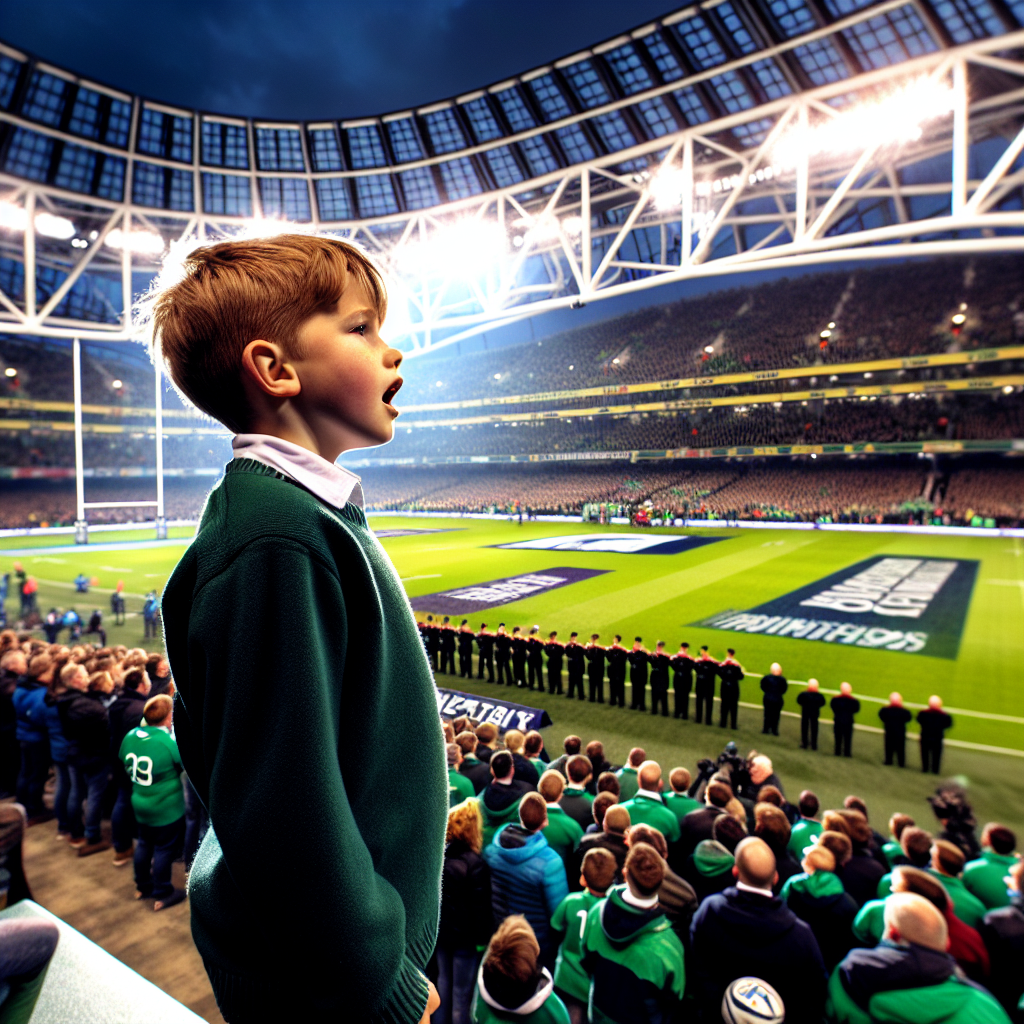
(648, 808)
(855, 803)
(471, 766)
(533, 747)
(679, 801)
(527, 876)
(696, 826)
(948, 865)
(576, 801)
(499, 802)
(608, 782)
(986, 877)
(32, 736)
(807, 827)
(466, 920)
(762, 773)
(58, 691)
(709, 868)
(598, 872)
(487, 738)
(87, 727)
(514, 985)
(909, 976)
(633, 957)
(603, 800)
(124, 715)
(862, 873)
(13, 665)
(571, 745)
(772, 826)
(150, 757)
(746, 930)
(525, 771)
(598, 762)
(1003, 933)
(612, 838)
(459, 787)
(676, 896)
(562, 832)
(817, 897)
(26, 948)
(892, 850)
(628, 782)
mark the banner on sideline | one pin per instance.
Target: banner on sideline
(480, 596)
(504, 714)
(892, 603)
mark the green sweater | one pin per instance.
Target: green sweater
(966, 906)
(802, 836)
(984, 878)
(459, 787)
(563, 835)
(680, 804)
(297, 662)
(628, 783)
(150, 758)
(569, 918)
(645, 810)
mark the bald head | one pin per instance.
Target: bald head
(755, 863)
(813, 685)
(845, 689)
(649, 776)
(912, 918)
(935, 702)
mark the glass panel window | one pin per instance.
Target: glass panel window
(85, 115)
(794, 17)
(227, 194)
(366, 149)
(771, 79)
(701, 45)
(151, 132)
(821, 61)
(691, 105)
(376, 195)
(663, 57)
(28, 155)
(148, 185)
(886, 39)
(9, 71)
(550, 98)
(735, 27)
(180, 191)
(657, 116)
(45, 98)
(575, 143)
(590, 90)
(279, 149)
(76, 169)
(324, 150)
(502, 163)
(111, 183)
(285, 197)
(481, 117)
(225, 145)
(404, 140)
(732, 92)
(538, 155)
(332, 199)
(968, 19)
(445, 134)
(614, 131)
(753, 133)
(629, 69)
(460, 178)
(181, 139)
(118, 122)
(419, 188)
(516, 110)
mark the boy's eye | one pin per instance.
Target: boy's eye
(360, 330)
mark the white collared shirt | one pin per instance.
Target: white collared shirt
(743, 887)
(331, 483)
(650, 794)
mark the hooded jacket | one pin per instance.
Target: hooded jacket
(984, 878)
(527, 877)
(614, 843)
(861, 875)
(821, 901)
(29, 707)
(709, 868)
(542, 1007)
(636, 962)
(737, 933)
(499, 805)
(646, 810)
(125, 714)
(476, 771)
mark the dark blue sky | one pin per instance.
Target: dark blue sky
(310, 58)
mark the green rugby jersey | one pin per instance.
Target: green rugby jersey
(150, 757)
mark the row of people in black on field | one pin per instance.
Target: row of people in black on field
(515, 658)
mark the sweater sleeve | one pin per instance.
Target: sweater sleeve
(268, 638)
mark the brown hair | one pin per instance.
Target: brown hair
(39, 665)
(599, 869)
(840, 845)
(808, 804)
(599, 808)
(898, 822)
(551, 786)
(637, 756)
(510, 968)
(466, 742)
(532, 811)
(819, 858)
(595, 751)
(157, 708)
(908, 879)
(648, 834)
(770, 795)
(99, 680)
(616, 819)
(1000, 838)
(608, 782)
(772, 825)
(486, 732)
(916, 845)
(578, 768)
(949, 856)
(679, 780)
(833, 821)
(514, 740)
(728, 831)
(855, 803)
(719, 794)
(644, 870)
(465, 822)
(857, 827)
(571, 745)
(533, 743)
(237, 291)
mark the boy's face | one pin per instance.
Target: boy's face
(348, 374)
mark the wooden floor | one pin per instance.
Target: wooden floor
(90, 894)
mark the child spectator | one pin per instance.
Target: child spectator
(280, 340)
(513, 985)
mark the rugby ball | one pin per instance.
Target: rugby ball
(752, 1001)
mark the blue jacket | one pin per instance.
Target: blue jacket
(527, 877)
(28, 706)
(60, 748)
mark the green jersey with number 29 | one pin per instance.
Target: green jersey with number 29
(151, 761)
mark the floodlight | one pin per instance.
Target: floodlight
(144, 242)
(963, 306)
(12, 372)
(79, 243)
(571, 367)
(497, 376)
(573, 225)
(117, 384)
(54, 227)
(667, 189)
(831, 325)
(1007, 388)
(13, 217)
(466, 249)
(439, 384)
(868, 376)
(813, 456)
(959, 318)
(825, 334)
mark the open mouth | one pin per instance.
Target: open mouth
(389, 395)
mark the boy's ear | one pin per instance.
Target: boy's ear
(265, 365)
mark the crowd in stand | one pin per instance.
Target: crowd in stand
(576, 890)
(99, 720)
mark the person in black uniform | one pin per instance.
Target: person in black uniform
(503, 655)
(706, 671)
(485, 645)
(895, 718)
(447, 644)
(774, 687)
(535, 659)
(616, 656)
(934, 722)
(430, 640)
(682, 679)
(465, 638)
(595, 669)
(731, 674)
(811, 702)
(576, 655)
(844, 707)
(555, 650)
(638, 665)
(659, 679)
(518, 657)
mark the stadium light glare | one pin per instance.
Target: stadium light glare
(117, 384)
(465, 249)
(13, 217)
(825, 334)
(959, 318)
(146, 243)
(709, 349)
(51, 226)
(831, 325)
(1007, 388)
(12, 372)
(573, 226)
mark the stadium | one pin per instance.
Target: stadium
(711, 338)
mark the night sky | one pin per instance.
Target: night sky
(306, 59)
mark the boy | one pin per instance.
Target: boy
(279, 340)
(151, 761)
(512, 985)
(571, 981)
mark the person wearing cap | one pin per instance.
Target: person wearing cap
(933, 722)
(811, 702)
(844, 707)
(894, 718)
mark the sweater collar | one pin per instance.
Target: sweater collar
(331, 483)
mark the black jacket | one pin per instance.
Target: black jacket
(737, 934)
(525, 771)
(830, 918)
(498, 797)
(466, 918)
(579, 808)
(124, 714)
(886, 968)
(8, 681)
(610, 841)
(843, 710)
(774, 688)
(86, 726)
(861, 875)
(477, 772)
(1003, 933)
(695, 828)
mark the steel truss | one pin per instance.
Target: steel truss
(595, 230)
